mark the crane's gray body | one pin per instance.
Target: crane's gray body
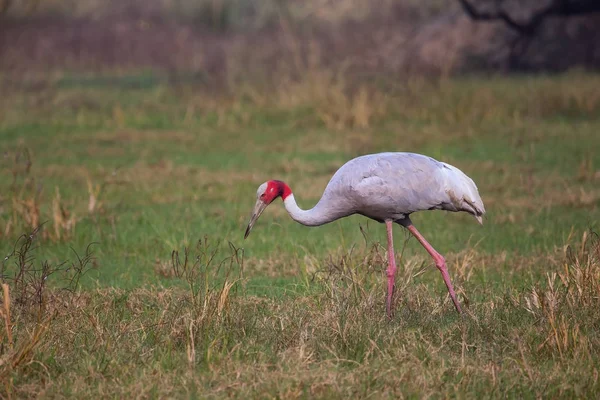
(394, 185)
(385, 187)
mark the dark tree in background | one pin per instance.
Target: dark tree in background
(526, 17)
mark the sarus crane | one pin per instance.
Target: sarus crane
(388, 188)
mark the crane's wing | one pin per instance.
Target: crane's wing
(393, 185)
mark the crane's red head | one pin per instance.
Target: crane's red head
(266, 193)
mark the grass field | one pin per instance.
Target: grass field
(143, 168)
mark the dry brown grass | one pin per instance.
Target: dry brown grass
(64, 221)
(333, 343)
(29, 206)
(337, 104)
(29, 307)
(567, 292)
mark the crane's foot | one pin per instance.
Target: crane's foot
(457, 306)
(441, 265)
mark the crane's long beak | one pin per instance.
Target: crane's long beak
(259, 207)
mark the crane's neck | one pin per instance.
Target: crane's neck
(310, 217)
(318, 215)
(329, 208)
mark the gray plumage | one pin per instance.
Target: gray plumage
(392, 186)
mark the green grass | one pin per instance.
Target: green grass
(176, 164)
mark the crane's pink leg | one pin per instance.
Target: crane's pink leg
(391, 270)
(440, 263)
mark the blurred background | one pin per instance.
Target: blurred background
(216, 40)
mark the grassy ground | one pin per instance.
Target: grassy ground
(143, 168)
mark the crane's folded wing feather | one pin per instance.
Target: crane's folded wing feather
(393, 185)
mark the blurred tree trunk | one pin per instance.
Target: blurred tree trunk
(525, 18)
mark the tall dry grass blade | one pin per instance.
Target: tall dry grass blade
(191, 345)
(28, 210)
(56, 214)
(93, 192)
(63, 220)
(5, 314)
(25, 351)
(223, 296)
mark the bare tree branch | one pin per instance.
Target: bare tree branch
(499, 13)
(560, 8)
